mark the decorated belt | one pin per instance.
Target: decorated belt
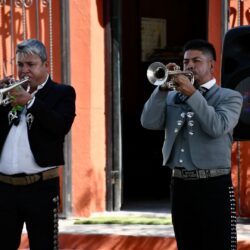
(29, 178)
(199, 173)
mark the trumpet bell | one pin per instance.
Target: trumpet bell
(157, 73)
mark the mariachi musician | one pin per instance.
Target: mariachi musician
(198, 120)
(33, 126)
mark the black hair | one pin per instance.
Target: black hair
(201, 45)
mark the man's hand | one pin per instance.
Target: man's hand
(20, 96)
(183, 84)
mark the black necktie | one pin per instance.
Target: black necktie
(203, 90)
(180, 98)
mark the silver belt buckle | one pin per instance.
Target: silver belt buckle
(190, 174)
(202, 174)
(177, 173)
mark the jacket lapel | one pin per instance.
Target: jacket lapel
(211, 91)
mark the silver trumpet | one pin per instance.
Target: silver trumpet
(158, 74)
(5, 97)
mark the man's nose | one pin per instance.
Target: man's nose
(189, 66)
(25, 68)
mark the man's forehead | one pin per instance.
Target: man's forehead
(27, 57)
(194, 54)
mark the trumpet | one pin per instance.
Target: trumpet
(158, 74)
(10, 83)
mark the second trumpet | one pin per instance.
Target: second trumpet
(158, 74)
(5, 97)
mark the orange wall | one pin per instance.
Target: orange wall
(214, 31)
(88, 132)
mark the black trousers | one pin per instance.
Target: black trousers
(36, 205)
(203, 213)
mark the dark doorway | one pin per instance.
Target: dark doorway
(145, 180)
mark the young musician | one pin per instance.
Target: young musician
(198, 121)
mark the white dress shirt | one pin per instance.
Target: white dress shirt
(209, 84)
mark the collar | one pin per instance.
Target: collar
(40, 86)
(209, 84)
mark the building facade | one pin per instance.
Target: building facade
(103, 48)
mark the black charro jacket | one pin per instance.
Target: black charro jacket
(49, 119)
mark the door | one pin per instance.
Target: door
(150, 31)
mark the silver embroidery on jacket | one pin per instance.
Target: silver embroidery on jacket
(29, 119)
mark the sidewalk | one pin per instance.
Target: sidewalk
(68, 226)
(124, 237)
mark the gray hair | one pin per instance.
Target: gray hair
(31, 47)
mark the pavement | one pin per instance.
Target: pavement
(108, 236)
(68, 226)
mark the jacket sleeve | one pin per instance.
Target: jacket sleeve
(56, 114)
(222, 117)
(154, 112)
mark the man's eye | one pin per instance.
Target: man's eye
(197, 60)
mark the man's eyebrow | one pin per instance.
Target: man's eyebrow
(25, 61)
(193, 58)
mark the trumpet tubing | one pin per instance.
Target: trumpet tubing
(5, 98)
(158, 74)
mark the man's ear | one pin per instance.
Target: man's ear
(212, 65)
(46, 63)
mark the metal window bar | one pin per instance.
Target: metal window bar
(14, 16)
